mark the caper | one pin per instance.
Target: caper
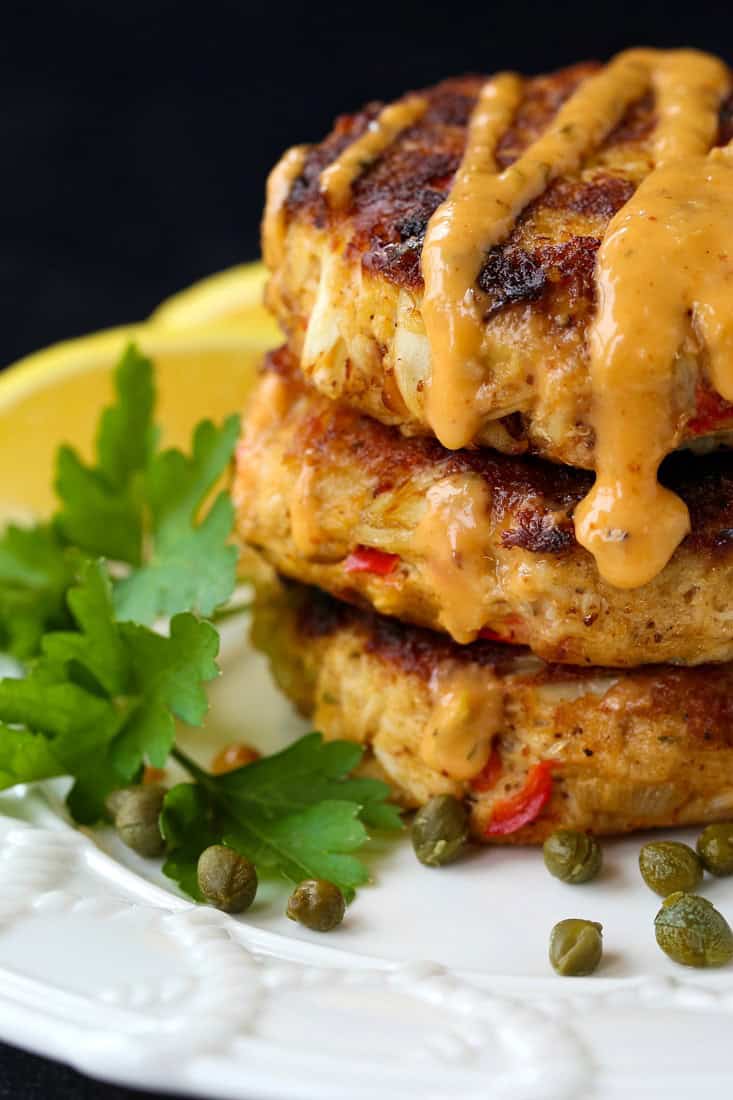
(226, 879)
(576, 947)
(668, 866)
(715, 848)
(114, 800)
(317, 904)
(692, 932)
(136, 812)
(572, 856)
(440, 830)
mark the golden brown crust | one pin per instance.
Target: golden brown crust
(635, 749)
(533, 583)
(393, 199)
(361, 268)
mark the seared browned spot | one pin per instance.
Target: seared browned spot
(511, 274)
(701, 696)
(602, 196)
(543, 98)
(540, 533)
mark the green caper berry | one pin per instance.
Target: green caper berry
(439, 830)
(572, 856)
(576, 947)
(317, 904)
(137, 818)
(226, 879)
(668, 866)
(715, 848)
(692, 932)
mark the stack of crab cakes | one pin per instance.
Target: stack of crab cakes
(435, 603)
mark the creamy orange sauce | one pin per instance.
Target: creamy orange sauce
(451, 544)
(337, 179)
(664, 275)
(310, 538)
(480, 213)
(453, 251)
(664, 271)
(466, 716)
(231, 757)
(305, 523)
(279, 182)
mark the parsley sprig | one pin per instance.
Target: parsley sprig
(135, 505)
(102, 700)
(103, 691)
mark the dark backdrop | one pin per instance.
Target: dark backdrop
(135, 139)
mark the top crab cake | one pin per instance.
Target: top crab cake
(343, 236)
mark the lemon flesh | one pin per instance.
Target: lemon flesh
(233, 297)
(203, 369)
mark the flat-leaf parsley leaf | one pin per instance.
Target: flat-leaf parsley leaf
(103, 699)
(297, 812)
(143, 509)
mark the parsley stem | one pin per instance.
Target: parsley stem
(191, 767)
(227, 612)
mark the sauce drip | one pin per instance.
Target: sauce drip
(451, 542)
(467, 715)
(337, 179)
(453, 251)
(481, 211)
(310, 539)
(279, 182)
(664, 274)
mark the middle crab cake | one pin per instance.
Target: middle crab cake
(472, 543)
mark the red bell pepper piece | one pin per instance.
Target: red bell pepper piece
(365, 559)
(488, 777)
(525, 806)
(711, 411)
(490, 635)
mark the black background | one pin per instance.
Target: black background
(135, 139)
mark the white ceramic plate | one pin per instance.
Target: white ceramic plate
(436, 984)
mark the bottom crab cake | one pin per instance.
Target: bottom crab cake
(471, 542)
(533, 746)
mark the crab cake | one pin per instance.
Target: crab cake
(472, 542)
(534, 746)
(347, 284)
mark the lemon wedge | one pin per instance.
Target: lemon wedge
(233, 297)
(205, 367)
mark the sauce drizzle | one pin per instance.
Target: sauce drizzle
(467, 714)
(664, 275)
(337, 179)
(664, 279)
(452, 542)
(279, 182)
